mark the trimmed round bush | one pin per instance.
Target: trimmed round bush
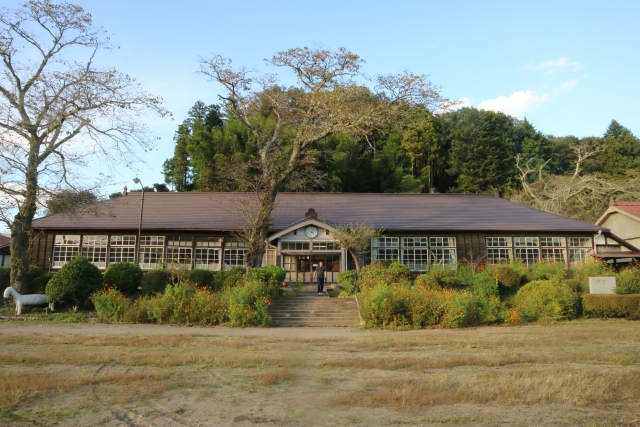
(229, 278)
(628, 282)
(577, 286)
(34, 272)
(507, 277)
(155, 281)
(376, 274)
(124, 276)
(484, 284)
(547, 271)
(201, 278)
(546, 300)
(39, 284)
(74, 283)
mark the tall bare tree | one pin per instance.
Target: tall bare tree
(56, 107)
(287, 121)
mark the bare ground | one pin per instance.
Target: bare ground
(576, 374)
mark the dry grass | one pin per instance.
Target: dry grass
(275, 377)
(521, 386)
(372, 378)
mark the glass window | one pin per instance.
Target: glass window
(209, 241)
(150, 257)
(207, 259)
(386, 254)
(269, 257)
(234, 258)
(66, 247)
(64, 254)
(525, 242)
(580, 242)
(579, 255)
(123, 240)
(442, 242)
(553, 254)
(152, 241)
(498, 242)
(178, 257)
(528, 255)
(67, 239)
(552, 242)
(290, 263)
(385, 242)
(415, 259)
(443, 258)
(499, 255)
(94, 248)
(186, 241)
(295, 246)
(323, 246)
(94, 240)
(412, 242)
(235, 243)
(123, 249)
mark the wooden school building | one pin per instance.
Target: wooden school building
(199, 230)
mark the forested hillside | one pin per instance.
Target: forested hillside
(468, 151)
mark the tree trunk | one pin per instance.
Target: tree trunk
(260, 229)
(21, 227)
(354, 255)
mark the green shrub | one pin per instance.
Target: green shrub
(484, 284)
(39, 284)
(460, 310)
(546, 300)
(595, 305)
(547, 271)
(248, 304)
(124, 276)
(591, 268)
(438, 278)
(507, 277)
(34, 272)
(202, 278)
(5, 277)
(385, 305)
(577, 285)
(426, 306)
(74, 283)
(110, 304)
(229, 278)
(628, 281)
(270, 276)
(377, 274)
(155, 281)
(348, 282)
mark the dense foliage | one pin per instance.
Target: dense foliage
(74, 283)
(124, 276)
(238, 299)
(606, 306)
(155, 281)
(467, 150)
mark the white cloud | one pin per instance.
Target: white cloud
(568, 85)
(516, 104)
(556, 65)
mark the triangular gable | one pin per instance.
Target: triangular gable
(301, 224)
(614, 209)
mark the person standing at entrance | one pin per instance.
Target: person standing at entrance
(320, 274)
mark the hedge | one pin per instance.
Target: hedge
(597, 305)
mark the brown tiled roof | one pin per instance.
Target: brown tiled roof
(220, 211)
(4, 241)
(632, 208)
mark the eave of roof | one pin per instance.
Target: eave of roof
(393, 212)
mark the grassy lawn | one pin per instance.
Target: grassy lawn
(582, 373)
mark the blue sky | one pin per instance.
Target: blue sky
(568, 66)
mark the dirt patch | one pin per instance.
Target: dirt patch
(583, 373)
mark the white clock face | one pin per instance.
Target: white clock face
(311, 232)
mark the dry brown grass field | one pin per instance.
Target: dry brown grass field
(583, 373)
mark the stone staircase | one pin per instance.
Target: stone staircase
(309, 309)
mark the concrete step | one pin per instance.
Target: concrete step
(314, 310)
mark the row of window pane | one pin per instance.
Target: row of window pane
(417, 259)
(584, 242)
(414, 242)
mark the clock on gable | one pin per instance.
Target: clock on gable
(311, 232)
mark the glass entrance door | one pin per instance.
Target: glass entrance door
(301, 267)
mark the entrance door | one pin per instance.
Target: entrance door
(300, 268)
